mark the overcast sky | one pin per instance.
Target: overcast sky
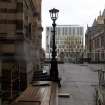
(79, 12)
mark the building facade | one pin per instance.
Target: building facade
(95, 39)
(69, 40)
(20, 44)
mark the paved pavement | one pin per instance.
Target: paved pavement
(94, 67)
(80, 82)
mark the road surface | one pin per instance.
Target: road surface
(80, 82)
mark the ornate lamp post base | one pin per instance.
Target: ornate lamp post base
(54, 72)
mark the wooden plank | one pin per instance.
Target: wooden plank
(38, 95)
(46, 96)
(34, 94)
(26, 103)
(28, 94)
(53, 98)
(41, 83)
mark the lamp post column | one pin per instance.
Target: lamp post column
(54, 64)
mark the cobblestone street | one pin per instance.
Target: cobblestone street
(80, 82)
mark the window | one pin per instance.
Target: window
(28, 30)
(102, 40)
(65, 30)
(78, 31)
(81, 31)
(19, 25)
(58, 31)
(63, 33)
(19, 7)
(73, 31)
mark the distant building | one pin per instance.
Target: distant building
(95, 39)
(20, 44)
(69, 40)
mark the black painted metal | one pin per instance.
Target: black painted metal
(54, 75)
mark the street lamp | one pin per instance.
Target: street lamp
(54, 75)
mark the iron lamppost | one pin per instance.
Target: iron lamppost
(54, 75)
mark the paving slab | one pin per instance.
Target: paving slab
(80, 82)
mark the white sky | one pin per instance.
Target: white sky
(79, 12)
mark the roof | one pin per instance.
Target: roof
(103, 14)
(95, 22)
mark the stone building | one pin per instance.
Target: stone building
(69, 40)
(20, 44)
(95, 39)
